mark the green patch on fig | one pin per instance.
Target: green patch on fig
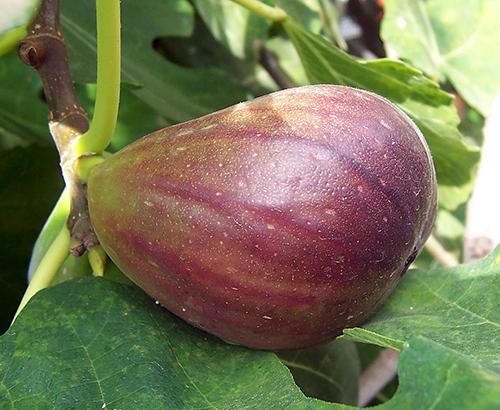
(275, 223)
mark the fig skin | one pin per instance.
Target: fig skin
(275, 223)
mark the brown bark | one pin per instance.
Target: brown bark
(43, 49)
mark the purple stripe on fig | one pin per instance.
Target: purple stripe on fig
(226, 307)
(275, 223)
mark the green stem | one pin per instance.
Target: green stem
(85, 164)
(97, 138)
(271, 13)
(48, 267)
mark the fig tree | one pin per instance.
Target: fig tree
(274, 223)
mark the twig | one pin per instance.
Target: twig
(377, 375)
(44, 50)
(438, 252)
(82, 233)
(270, 62)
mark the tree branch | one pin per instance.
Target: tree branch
(44, 50)
(377, 375)
(439, 253)
(270, 62)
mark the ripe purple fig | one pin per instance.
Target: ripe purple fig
(274, 223)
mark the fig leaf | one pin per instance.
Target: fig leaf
(131, 353)
(419, 31)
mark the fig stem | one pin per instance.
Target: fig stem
(48, 267)
(271, 13)
(103, 124)
(85, 164)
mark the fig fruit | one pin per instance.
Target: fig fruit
(274, 223)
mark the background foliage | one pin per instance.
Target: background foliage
(103, 343)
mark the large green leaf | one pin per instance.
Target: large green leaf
(175, 92)
(101, 343)
(104, 345)
(458, 40)
(430, 107)
(23, 114)
(433, 377)
(29, 184)
(234, 26)
(451, 316)
(456, 309)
